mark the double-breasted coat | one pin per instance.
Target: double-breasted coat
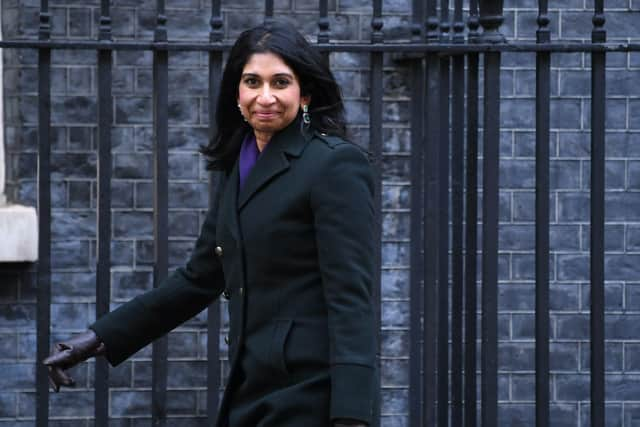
(293, 252)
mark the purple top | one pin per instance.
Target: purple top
(249, 154)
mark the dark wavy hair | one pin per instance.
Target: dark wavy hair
(315, 77)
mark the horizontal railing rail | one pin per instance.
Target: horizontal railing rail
(365, 47)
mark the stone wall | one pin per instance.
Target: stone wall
(74, 201)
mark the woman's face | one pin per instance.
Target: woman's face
(269, 93)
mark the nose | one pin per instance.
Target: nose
(266, 96)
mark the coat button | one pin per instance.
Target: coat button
(226, 340)
(226, 294)
(218, 250)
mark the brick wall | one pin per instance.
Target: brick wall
(74, 201)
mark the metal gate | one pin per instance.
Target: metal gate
(444, 146)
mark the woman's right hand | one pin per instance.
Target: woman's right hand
(69, 353)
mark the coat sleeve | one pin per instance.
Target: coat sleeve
(342, 203)
(186, 292)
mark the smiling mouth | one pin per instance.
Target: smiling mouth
(265, 114)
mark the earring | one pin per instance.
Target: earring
(240, 109)
(306, 118)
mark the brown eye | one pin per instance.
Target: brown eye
(281, 83)
(251, 81)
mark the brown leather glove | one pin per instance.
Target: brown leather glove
(69, 353)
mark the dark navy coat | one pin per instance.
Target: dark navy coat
(293, 251)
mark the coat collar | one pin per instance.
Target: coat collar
(274, 160)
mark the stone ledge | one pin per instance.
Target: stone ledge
(18, 233)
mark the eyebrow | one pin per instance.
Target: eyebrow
(275, 75)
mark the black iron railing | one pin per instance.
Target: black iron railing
(439, 54)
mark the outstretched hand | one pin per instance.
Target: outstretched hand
(69, 353)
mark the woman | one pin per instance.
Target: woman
(289, 243)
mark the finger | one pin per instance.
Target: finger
(60, 377)
(61, 358)
(53, 384)
(50, 360)
(52, 380)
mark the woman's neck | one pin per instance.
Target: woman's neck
(262, 139)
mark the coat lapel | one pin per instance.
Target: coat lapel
(274, 160)
(229, 202)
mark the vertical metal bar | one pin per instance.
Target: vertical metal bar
(443, 224)
(471, 231)
(375, 130)
(490, 19)
(103, 276)
(598, 94)
(490, 241)
(543, 78)
(213, 312)
(457, 206)
(323, 27)
(431, 209)
(417, 230)
(323, 22)
(268, 11)
(43, 320)
(160, 207)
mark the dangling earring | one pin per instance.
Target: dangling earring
(306, 118)
(240, 109)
